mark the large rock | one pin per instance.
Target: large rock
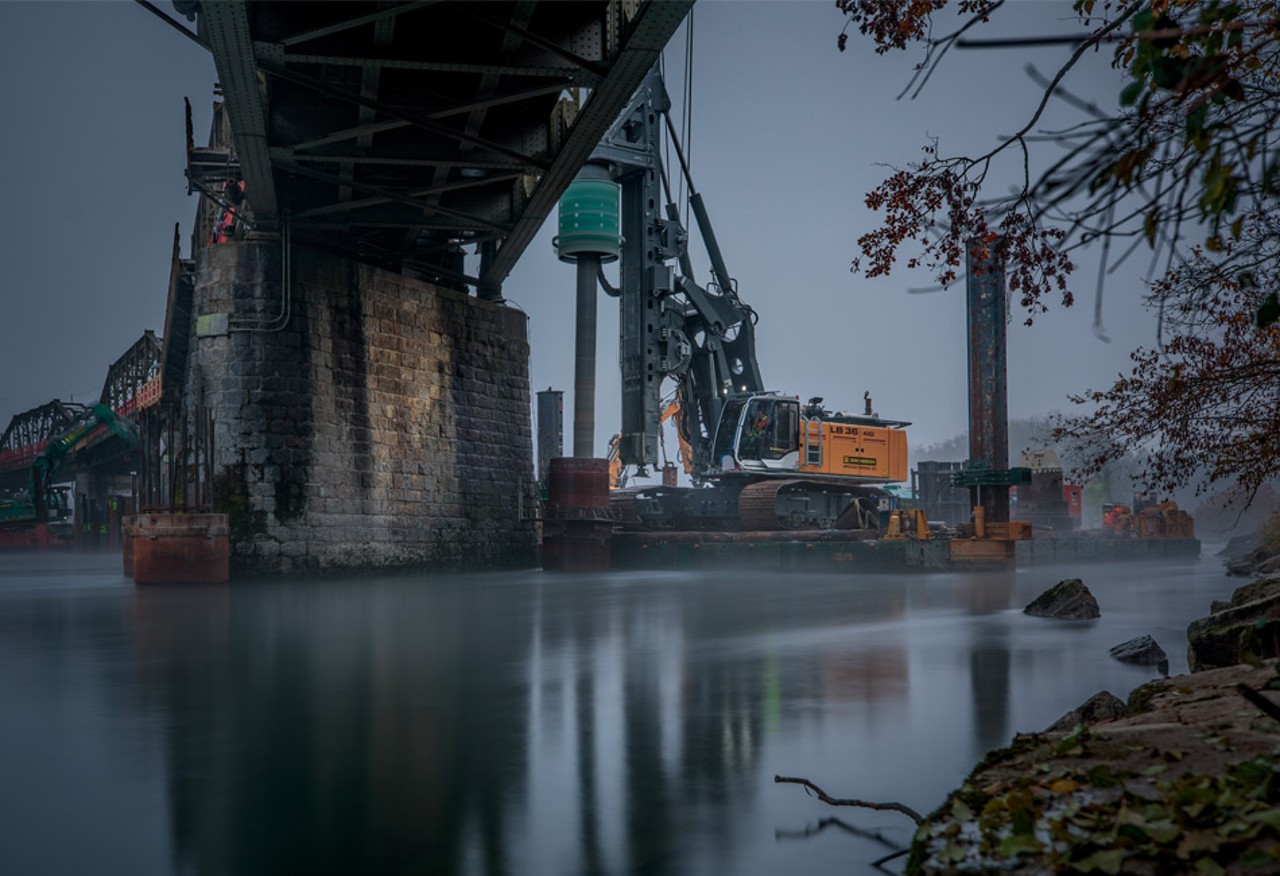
(1239, 545)
(1257, 562)
(1066, 600)
(1247, 629)
(1143, 650)
(1102, 706)
(1268, 585)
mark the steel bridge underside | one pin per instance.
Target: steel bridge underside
(399, 134)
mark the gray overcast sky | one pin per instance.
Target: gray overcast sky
(91, 97)
(787, 136)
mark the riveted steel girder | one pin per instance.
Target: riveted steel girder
(224, 25)
(643, 41)
(126, 376)
(447, 120)
(36, 425)
(356, 21)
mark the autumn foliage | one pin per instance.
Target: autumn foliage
(893, 24)
(1184, 167)
(1209, 397)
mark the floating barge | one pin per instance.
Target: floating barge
(834, 551)
(1096, 549)
(583, 533)
(818, 550)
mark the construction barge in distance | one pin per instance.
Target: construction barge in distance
(589, 527)
(828, 551)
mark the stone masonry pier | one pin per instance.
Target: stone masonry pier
(384, 422)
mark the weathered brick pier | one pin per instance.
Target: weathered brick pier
(386, 423)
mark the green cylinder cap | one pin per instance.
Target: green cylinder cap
(590, 221)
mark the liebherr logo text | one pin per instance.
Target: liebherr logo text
(860, 460)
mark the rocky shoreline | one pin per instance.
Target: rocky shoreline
(1184, 777)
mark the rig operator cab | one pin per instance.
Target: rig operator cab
(771, 434)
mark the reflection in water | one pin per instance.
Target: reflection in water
(894, 849)
(389, 725)
(989, 661)
(588, 806)
(529, 723)
(347, 732)
(989, 673)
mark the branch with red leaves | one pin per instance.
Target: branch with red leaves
(1208, 400)
(1190, 145)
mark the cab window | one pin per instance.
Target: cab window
(784, 436)
(769, 429)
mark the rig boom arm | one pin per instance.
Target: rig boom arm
(670, 326)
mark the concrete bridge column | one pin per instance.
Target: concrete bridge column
(362, 419)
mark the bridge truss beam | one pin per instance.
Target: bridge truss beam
(402, 135)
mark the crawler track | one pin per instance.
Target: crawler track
(797, 503)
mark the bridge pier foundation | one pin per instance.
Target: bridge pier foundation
(361, 419)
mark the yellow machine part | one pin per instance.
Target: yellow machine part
(615, 459)
(615, 463)
(982, 551)
(1165, 520)
(686, 452)
(894, 532)
(871, 452)
(907, 523)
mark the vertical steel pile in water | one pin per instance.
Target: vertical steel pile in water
(988, 396)
(550, 430)
(589, 235)
(577, 532)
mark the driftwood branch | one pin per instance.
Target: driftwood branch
(837, 801)
(1268, 708)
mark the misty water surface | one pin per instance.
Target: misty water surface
(526, 722)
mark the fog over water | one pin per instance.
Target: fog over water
(526, 722)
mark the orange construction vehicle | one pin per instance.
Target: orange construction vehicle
(1165, 520)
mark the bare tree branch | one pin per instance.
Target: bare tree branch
(837, 801)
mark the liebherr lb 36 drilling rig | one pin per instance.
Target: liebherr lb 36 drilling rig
(761, 460)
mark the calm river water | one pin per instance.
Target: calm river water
(526, 722)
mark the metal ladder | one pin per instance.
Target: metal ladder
(812, 429)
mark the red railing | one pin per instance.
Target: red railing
(146, 396)
(21, 457)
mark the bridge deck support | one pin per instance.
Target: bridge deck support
(383, 421)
